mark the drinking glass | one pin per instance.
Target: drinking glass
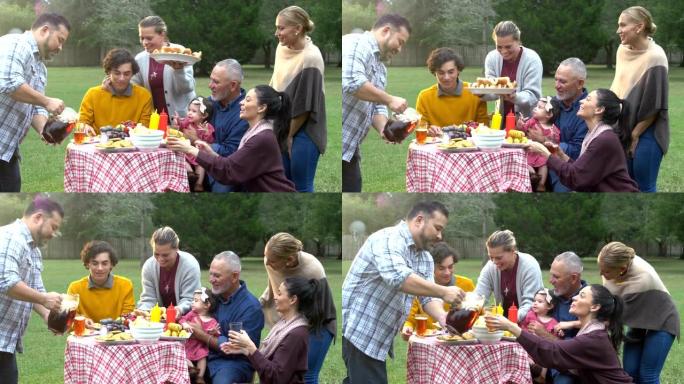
(421, 324)
(79, 325)
(79, 133)
(235, 326)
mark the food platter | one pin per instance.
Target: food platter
(455, 340)
(428, 140)
(180, 57)
(516, 145)
(88, 140)
(116, 150)
(87, 333)
(457, 150)
(491, 91)
(174, 338)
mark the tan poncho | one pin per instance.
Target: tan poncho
(299, 73)
(641, 79)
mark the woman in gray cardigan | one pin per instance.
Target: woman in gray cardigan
(519, 63)
(514, 277)
(170, 276)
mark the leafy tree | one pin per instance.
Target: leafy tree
(356, 15)
(557, 30)
(220, 29)
(546, 225)
(13, 206)
(15, 16)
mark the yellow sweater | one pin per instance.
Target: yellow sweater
(450, 110)
(102, 303)
(100, 107)
(461, 281)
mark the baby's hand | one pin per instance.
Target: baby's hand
(176, 119)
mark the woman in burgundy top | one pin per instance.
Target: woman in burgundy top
(592, 354)
(257, 164)
(601, 165)
(282, 356)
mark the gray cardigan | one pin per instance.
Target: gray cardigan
(528, 77)
(187, 281)
(528, 281)
(179, 85)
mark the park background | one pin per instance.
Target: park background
(237, 29)
(556, 30)
(206, 225)
(544, 225)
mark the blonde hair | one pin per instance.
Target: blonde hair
(616, 255)
(506, 28)
(641, 15)
(503, 239)
(294, 15)
(156, 22)
(283, 245)
(163, 236)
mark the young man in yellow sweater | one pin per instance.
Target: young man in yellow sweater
(447, 102)
(102, 293)
(445, 258)
(117, 99)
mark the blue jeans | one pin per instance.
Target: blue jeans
(301, 168)
(556, 184)
(217, 187)
(318, 348)
(645, 164)
(644, 359)
(562, 378)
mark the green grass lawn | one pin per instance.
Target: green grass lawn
(384, 166)
(42, 168)
(670, 272)
(43, 358)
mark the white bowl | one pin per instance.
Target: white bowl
(492, 140)
(485, 337)
(148, 141)
(147, 334)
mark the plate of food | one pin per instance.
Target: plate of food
(508, 336)
(115, 338)
(465, 339)
(89, 140)
(458, 145)
(429, 140)
(516, 145)
(116, 145)
(492, 85)
(86, 333)
(179, 54)
(182, 339)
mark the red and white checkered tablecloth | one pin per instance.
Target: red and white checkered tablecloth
(430, 170)
(89, 170)
(430, 362)
(87, 362)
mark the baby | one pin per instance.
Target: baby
(544, 116)
(197, 351)
(200, 111)
(541, 307)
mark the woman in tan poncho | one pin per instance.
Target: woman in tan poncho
(641, 80)
(650, 312)
(298, 71)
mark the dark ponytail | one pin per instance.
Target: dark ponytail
(309, 293)
(613, 109)
(610, 312)
(278, 109)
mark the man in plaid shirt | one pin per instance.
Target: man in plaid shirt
(391, 268)
(364, 100)
(23, 77)
(21, 284)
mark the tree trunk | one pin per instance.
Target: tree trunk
(662, 248)
(267, 55)
(609, 54)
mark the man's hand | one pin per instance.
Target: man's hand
(453, 295)
(397, 104)
(510, 97)
(54, 106)
(406, 332)
(52, 301)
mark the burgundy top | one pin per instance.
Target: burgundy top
(508, 287)
(288, 363)
(591, 354)
(510, 69)
(167, 284)
(156, 79)
(601, 168)
(256, 167)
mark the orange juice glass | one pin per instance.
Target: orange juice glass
(79, 133)
(79, 325)
(421, 324)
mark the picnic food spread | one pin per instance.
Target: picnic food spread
(494, 82)
(179, 50)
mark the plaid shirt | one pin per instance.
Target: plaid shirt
(20, 260)
(373, 307)
(360, 64)
(20, 63)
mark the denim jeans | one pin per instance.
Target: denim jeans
(217, 187)
(301, 168)
(556, 184)
(557, 377)
(645, 164)
(318, 348)
(644, 359)
(8, 368)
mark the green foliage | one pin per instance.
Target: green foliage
(13, 206)
(15, 16)
(356, 15)
(556, 30)
(220, 29)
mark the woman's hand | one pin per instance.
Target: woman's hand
(632, 147)
(179, 145)
(289, 145)
(434, 131)
(539, 148)
(206, 147)
(239, 341)
(175, 64)
(499, 322)
(510, 97)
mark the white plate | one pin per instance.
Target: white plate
(174, 57)
(429, 140)
(174, 338)
(516, 145)
(492, 91)
(458, 150)
(458, 342)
